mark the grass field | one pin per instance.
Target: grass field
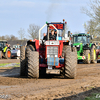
(93, 96)
(10, 65)
(4, 64)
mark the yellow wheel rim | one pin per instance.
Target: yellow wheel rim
(89, 57)
(94, 54)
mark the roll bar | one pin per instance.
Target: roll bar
(48, 34)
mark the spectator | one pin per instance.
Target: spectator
(45, 36)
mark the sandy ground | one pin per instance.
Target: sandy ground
(14, 87)
(9, 61)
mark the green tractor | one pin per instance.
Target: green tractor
(86, 51)
(5, 51)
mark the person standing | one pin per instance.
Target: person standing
(45, 36)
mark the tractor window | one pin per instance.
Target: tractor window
(0, 45)
(88, 40)
(4, 44)
(84, 39)
(77, 39)
(80, 39)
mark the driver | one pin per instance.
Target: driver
(52, 35)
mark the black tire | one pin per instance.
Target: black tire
(42, 73)
(70, 62)
(22, 61)
(86, 54)
(63, 52)
(29, 48)
(78, 61)
(8, 54)
(33, 64)
(92, 54)
(1, 55)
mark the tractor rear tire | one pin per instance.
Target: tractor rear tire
(93, 55)
(87, 55)
(30, 48)
(63, 52)
(8, 54)
(70, 62)
(22, 61)
(33, 64)
(0, 54)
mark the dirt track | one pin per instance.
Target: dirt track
(17, 88)
(9, 61)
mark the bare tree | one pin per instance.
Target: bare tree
(21, 33)
(7, 37)
(3, 38)
(93, 25)
(33, 31)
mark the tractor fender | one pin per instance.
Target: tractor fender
(34, 43)
(91, 45)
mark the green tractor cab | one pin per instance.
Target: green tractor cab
(86, 51)
(5, 51)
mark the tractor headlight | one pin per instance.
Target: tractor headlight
(78, 45)
(48, 55)
(56, 56)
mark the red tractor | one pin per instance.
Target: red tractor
(51, 56)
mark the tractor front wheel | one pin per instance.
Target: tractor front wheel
(33, 64)
(93, 54)
(87, 55)
(70, 62)
(8, 54)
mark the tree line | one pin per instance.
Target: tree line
(33, 32)
(7, 37)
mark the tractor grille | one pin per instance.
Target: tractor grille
(52, 51)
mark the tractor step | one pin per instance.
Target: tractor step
(52, 71)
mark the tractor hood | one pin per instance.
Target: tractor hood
(78, 46)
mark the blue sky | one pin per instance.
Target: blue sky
(16, 14)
